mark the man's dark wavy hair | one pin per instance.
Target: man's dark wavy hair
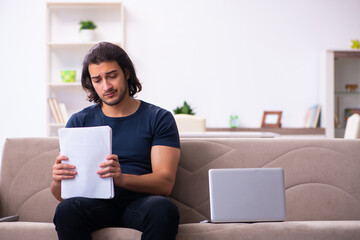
(106, 52)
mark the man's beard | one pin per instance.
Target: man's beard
(116, 101)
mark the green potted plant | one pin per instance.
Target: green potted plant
(186, 121)
(87, 30)
(185, 109)
(355, 44)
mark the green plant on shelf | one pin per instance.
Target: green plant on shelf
(90, 25)
(234, 121)
(355, 44)
(185, 109)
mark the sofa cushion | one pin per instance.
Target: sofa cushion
(36, 231)
(309, 230)
(27, 230)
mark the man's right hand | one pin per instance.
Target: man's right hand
(61, 170)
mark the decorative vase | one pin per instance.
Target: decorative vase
(68, 76)
(87, 35)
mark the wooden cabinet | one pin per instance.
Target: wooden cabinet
(65, 49)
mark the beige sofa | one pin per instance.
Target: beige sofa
(322, 178)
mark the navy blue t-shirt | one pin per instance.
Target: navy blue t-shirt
(134, 135)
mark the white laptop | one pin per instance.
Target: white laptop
(247, 195)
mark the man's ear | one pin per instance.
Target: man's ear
(127, 74)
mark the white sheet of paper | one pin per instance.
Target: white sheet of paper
(86, 148)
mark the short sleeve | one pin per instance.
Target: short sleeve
(166, 132)
(73, 122)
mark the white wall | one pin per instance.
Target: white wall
(222, 56)
(237, 57)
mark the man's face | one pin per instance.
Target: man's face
(109, 81)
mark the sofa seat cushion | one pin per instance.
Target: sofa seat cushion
(294, 230)
(27, 230)
(297, 230)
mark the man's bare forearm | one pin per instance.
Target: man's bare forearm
(56, 190)
(149, 183)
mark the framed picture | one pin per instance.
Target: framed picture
(271, 119)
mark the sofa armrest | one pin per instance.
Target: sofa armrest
(10, 219)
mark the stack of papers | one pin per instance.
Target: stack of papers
(86, 148)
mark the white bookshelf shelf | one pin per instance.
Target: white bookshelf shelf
(57, 125)
(70, 84)
(83, 4)
(77, 44)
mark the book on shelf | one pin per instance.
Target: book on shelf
(64, 112)
(58, 111)
(312, 117)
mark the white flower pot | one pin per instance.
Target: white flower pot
(87, 35)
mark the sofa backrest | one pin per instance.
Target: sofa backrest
(322, 176)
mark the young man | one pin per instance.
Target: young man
(146, 152)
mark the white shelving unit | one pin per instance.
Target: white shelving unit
(66, 51)
(342, 68)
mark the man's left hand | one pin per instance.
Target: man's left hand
(111, 168)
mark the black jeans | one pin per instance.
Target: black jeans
(156, 216)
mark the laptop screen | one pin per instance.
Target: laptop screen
(247, 195)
